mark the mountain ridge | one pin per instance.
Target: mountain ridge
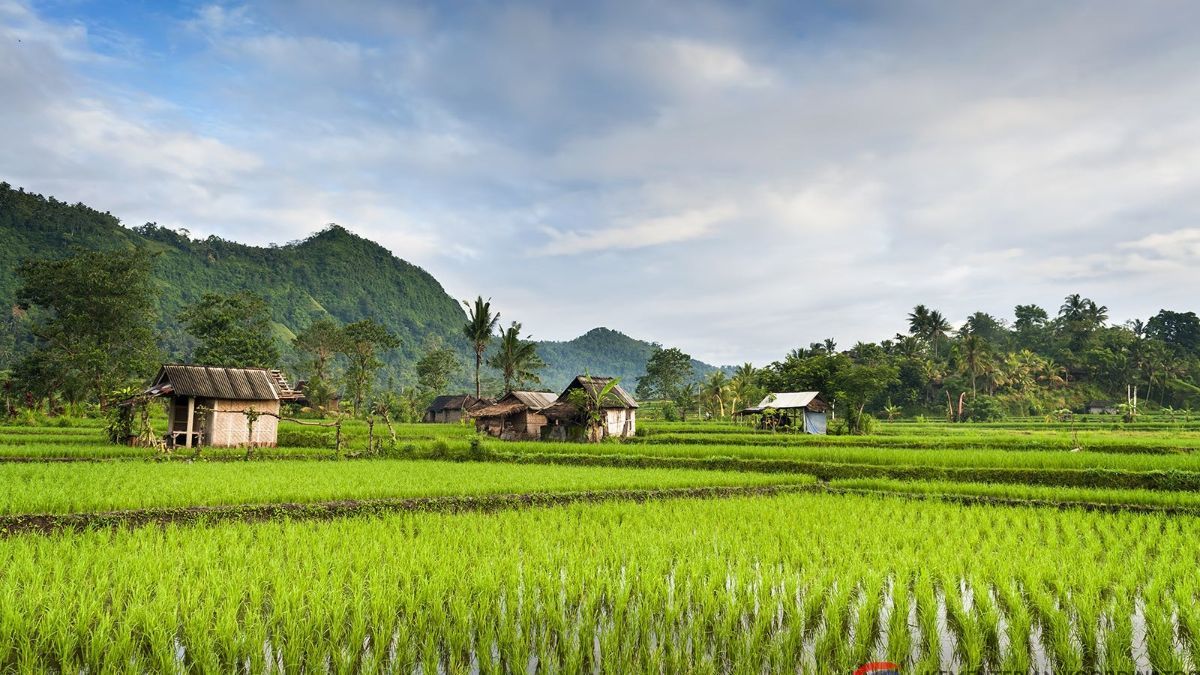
(332, 273)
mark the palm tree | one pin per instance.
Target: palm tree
(918, 320)
(741, 387)
(830, 346)
(974, 353)
(936, 329)
(516, 359)
(479, 329)
(716, 390)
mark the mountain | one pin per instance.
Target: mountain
(601, 351)
(334, 273)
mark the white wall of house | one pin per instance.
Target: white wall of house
(621, 422)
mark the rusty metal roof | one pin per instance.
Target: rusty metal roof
(235, 384)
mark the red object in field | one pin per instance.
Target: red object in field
(878, 668)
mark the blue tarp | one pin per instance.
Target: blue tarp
(814, 423)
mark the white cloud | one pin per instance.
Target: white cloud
(853, 163)
(670, 229)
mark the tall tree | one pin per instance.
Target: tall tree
(319, 343)
(480, 329)
(716, 390)
(667, 371)
(233, 330)
(435, 368)
(516, 359)
(973, 352)
(936, 331)
(93, 318)
(364, 341)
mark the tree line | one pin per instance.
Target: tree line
(984, 369)
(92, 318)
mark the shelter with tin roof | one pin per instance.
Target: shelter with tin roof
(798, 410)
(207, 404)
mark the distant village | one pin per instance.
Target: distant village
(209, 405)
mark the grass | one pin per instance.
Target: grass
(1031, 493)
(77, 488)
(749, 584)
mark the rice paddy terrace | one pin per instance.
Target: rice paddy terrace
(696, 547)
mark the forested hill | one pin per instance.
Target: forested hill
(333, 273)
(601, 351)
(330, 274)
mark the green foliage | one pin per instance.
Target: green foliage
(92, 322)
(233, 330)
(479, 330)
(436, 368)
(983, 409)
(362, 344)
(668, 371)
(516, 359)
(317, 346)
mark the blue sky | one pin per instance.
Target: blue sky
(736, 179)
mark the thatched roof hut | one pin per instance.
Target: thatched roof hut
(207, 404)
(453, 408)
(516, 416)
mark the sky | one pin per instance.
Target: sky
(733, 178)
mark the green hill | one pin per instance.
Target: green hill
(333, 273)
(602, 351)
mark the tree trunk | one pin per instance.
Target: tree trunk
(478, 364)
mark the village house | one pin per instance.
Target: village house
(206, 404)
(797, 410)
(515, 417)
(453, 408)
(565, 421)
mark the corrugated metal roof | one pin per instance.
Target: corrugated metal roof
(235, 384)
(536, 400)
(784, 400)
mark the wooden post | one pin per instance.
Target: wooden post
(191, 418)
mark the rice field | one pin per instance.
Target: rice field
(740, 585)
(35, 488)
(700, 547)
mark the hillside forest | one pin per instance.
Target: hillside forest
(95, 307)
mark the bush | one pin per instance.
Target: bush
(669, 412)
(983, 409)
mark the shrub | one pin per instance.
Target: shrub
(983, 409)
(669, 412)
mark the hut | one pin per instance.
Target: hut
(453, 408)
(207, 404)
(1100, 408)
(515, 417)
(565, 421)
(798, 410)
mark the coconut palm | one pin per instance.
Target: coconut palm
(716, 390)
(480, 329)
(936, 329)
(516, 359)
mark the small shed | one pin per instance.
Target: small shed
(515, 417)
(565, 420)
(1100, 408)
(453, 408)
(799, 410)
(207, 404)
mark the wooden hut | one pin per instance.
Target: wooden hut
(453, 408)
(515, 417)
(207, 404)
(798, 410)
(566, 422)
